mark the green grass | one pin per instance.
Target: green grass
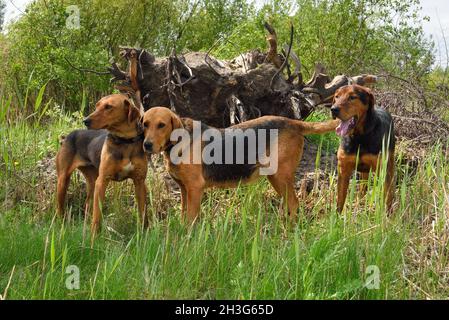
(329, 142)
(241, 249)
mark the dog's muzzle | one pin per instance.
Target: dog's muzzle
(335, 110)
(148, 146)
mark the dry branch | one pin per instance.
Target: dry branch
(272, 55)
(221, 93)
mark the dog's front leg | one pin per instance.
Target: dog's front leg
(194, 196)
(141, 197)
(99, 194)
(344, 175)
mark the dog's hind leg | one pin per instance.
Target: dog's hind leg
(283, 181)
(64, 168)
(194, 196)
(90, 174)
(344, 176)
(390, 183)
(284, 186)
(62, 186)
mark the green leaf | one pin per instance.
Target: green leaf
(52, 251)
(255, 251)
(28, 89)
(43, 111)
(4, 107)
(39, 97)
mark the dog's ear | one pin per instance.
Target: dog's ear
(366, 96)
(133, 112)
(175, 122)
(371, 100)
(337, 92)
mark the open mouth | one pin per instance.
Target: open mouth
(346, 126)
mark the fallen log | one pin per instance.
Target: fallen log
(221, 93)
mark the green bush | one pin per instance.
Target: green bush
(346, 36)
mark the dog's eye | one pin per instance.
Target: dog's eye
(161, 125)
(145, 125)
(108, 107)
(352, 98)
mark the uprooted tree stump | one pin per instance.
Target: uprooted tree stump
(222, 93)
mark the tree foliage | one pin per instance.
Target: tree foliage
(347, 36)
(2, 13)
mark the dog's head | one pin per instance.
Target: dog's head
(115, 113)
(351, 103)
(158, 124)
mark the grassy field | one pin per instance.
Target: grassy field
(241, 249)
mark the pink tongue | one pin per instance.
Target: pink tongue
(343, 129)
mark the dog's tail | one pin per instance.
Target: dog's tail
(317, 127)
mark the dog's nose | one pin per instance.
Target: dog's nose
(148, 146)
(335, 111)
(87, 122)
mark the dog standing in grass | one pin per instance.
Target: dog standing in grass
(365, 133)
(193, 178)
(110, 150)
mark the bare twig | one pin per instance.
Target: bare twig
(185, 23)
(286, 58)
(272, 55)
(170, 85)
(234, 105)
(298, 65)
(232, 109)
(140, 63)
(118, 74)
(419, 90)
(180, 84)
(441, 124)
(208, 53)
(83, 70)
(241, 54)
(172, 71)
(240, 109)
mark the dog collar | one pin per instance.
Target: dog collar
(168, 147)
(119, 140)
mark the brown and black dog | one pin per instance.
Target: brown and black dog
(113, 153)
(365, 131)
(193, 178)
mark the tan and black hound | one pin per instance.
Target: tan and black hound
(365, 131)
(110, 150)
(193, 178)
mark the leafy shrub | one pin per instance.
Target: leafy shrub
(346, 36)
